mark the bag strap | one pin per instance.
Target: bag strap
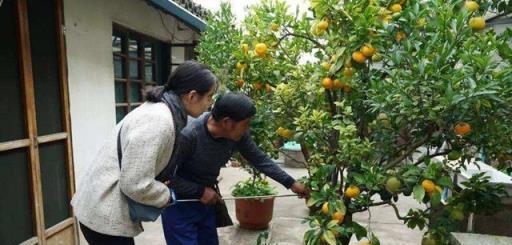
(119, 152)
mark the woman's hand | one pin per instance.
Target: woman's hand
(300, 189)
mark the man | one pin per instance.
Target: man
(206, 144)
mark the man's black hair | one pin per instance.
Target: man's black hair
(235, 106)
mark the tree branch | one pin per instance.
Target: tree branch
(319, 45)
(433, 155)
(409, 151)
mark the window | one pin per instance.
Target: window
(138, 63)
(181, 53)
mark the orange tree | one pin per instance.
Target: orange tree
(385, 98)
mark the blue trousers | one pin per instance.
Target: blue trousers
(190, 224)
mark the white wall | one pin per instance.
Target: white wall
(90, 64)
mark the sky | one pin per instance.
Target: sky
(239, 6)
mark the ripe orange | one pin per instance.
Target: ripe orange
(268, 88)
(323, 25)
(258, 86)
(358, 57)
(260, 49)
(399, 36)
(368, 51)
(395, 8)
(325, 208)
(338, 83)
(240, 83)
(338, 216)
(428, 185)
(287, 134)
(327, 83)
(462, 129)
(347, 72)
(274, 27)
(352, 191)
(471, 6)
(326, 65)
(477, 23)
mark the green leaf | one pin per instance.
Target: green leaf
(359, 230)
(445, 181)
(436, 199)
(329, 237)
(419, 192)
(312, 201)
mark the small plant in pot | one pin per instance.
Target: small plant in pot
(255, 211)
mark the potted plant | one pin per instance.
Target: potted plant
(254, 212)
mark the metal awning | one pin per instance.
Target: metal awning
(179, 12)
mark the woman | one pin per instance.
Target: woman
(147, 136)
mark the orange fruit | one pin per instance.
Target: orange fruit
(274, 27)
(323, 25)
(462, 129)
(395, 8)
(338, 216)
(287, 134)
(327, 83)
(347, 72)
(477, 23)
(280, 131)
(260, 49)
(428, 185)
(368, 51)
(240, 65)
(399, 36)
(352, 191)
(240, 83)
(325, 208)
(358, 57)
(257, 86)
(268, 88)
(338, 83)
(245, 47)
(471, 6)
(326, 65)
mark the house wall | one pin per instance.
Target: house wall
(90, 64)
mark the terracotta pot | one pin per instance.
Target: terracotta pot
(254, 214)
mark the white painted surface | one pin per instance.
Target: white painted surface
(90, 64)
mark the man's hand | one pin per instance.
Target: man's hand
(209, 197)
(299, 189)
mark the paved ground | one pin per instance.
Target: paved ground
(286, 227)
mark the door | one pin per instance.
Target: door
(36, 171)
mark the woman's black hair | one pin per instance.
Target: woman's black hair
(189, 76)
(236, 106)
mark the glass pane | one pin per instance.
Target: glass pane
(15, 208)
(120, 92)
(116, 44)
(120, 113)
(148, 51)
(157, 75)
(133, 48)
(177, 55)
(45, 66)
(173, 68)
(118, 66)
(148, 68)
(11, 100)
(135, 92)
(54, 180)
(134, 69)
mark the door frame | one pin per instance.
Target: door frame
(66, 231)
